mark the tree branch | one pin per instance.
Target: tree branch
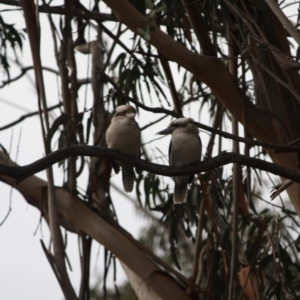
(171, 84)
(23, 72)
(284, 20)
(210, 70)
(32, 27)
(156, 110)
(196, 21)
(132, 54)
(22, 118)
(20, 173)
(106, 232)
(251, 142)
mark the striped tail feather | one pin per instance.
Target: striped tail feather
(180, 193)
(128, 178)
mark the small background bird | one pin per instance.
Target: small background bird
(185, 149)
(124, 135)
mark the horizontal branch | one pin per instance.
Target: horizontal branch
(20, 173)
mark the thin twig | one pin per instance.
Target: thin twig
(251, 142)
(11, 188)
(24, 117)
(171, 83)
(157, 110)
(152, 123)
(131, 52)
(23, 72)
(216, 124)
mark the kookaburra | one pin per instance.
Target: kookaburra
(124, 135)
(185, 148)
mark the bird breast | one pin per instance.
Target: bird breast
(186, 149)
(124, 135)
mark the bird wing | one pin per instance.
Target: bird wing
(192, 175)
(170, 150)
(200, 146)
(137, 170)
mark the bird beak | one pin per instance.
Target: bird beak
(168, 130)
(130, 115)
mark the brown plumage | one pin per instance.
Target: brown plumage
(185, 148)
(124, 135)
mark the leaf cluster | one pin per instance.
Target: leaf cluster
(10, 37)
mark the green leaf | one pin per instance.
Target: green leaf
(141, 31)
(152, 14)
(160, 8)
(149, 4)
(146, 36)
(121, 57)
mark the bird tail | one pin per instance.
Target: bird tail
(128, 178)
(180, 193)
